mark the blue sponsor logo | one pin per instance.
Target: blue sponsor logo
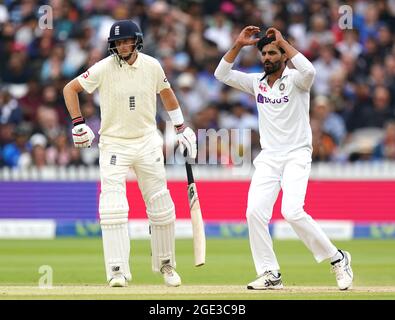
(261, 99)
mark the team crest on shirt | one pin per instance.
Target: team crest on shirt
(132, 103)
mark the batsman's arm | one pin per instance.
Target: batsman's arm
(172, 106)
(186, 136)
(70, 93)
(169, 99)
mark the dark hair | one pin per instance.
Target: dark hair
(266, 40)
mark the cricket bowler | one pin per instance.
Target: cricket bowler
(282, 97)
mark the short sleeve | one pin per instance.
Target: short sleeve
(90, 80)
(161, 80)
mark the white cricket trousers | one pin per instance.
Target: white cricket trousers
(289, 172)
(144, 155)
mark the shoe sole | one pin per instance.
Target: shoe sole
(118, 284)
(279, 287)
(172, 285)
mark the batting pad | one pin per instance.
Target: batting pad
(113, 211)
(113, 207)
(161, 214)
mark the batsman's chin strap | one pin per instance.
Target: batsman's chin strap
(120, 58)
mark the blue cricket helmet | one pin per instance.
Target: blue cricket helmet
(124, 29)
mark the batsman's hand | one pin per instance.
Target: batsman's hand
(245, 36)
(187, 141)
(83, 136)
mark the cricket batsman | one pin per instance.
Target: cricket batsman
(283, 100)
(128, 82)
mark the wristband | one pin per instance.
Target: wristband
(78, 120)
(180, 128)
(176, 116)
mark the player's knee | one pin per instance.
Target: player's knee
(254, 213)
(113, 207)
(160, 208)
(291, 213)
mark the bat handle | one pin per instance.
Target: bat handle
(188, 167)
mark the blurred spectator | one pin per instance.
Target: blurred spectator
(31, 100)
(48, 122)
(6, 137)
(17, 70)
(219, 31)
(341, 95)
(385, 150)
(324, 146)
(370, 55)
(17, 153)
(298, 28)
(60, 152)
(10, 110)
(350, 43)
(371, 25)
(330, 122)
(56, 67)
(384, 39)
(377, 75)
(239, 118)
(189, 95)
(38, 144)
(326, 65)
(319, 35)
(381, 110)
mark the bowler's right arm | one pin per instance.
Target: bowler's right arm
(234, 78)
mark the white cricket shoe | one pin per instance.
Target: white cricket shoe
(171, 277)
(266, 281)
(118, 281)
(343, 271)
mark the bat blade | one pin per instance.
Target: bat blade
(199, 237)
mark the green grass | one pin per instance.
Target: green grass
(79, 262)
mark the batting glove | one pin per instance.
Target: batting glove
(83, 136)
(187, 140)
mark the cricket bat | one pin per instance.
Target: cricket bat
(199, 237)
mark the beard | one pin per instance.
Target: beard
(271, 67)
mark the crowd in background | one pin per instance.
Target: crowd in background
(352, 99)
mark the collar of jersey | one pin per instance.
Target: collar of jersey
(136, 63)
(285, 73)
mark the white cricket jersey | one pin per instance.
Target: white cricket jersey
(283, 110)
(127, 95)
